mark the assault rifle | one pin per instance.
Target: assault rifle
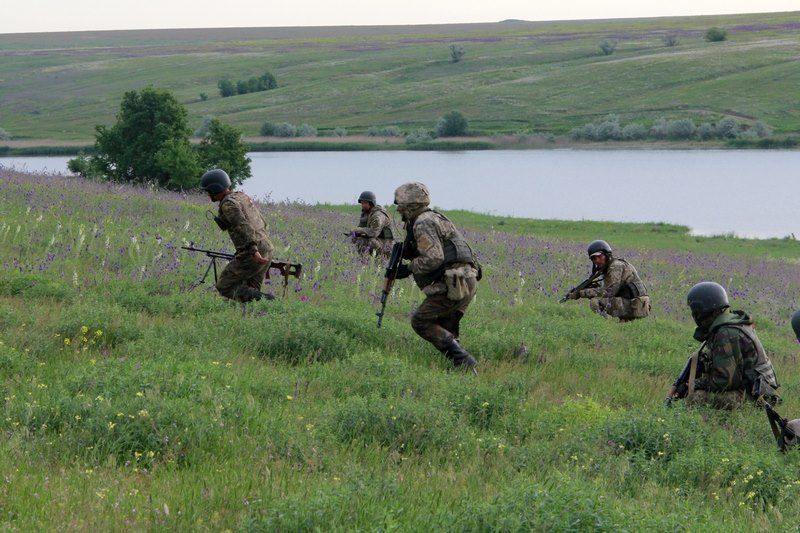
(286, 269)
(680, 388)
(389, 277)
(589, 282)
(778, 424)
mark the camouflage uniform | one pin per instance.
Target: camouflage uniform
(374, 232)
(732, 364)
(248, 231)
(622, 294)
(437, 318)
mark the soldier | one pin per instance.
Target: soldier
(731, 364)
(796, 324)
(374, 231)
(242, 278)
(443, 266)
(622, 294)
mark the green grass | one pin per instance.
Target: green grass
(131, 401)
(515, 77)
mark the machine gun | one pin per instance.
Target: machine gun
(589, 282)
(286, 270)
(389, 277)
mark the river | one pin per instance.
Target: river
(750, 193)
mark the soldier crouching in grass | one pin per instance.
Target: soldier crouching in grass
(622, 293)
(374, 231)
(443, 266)
(242, 278)
(731, 364)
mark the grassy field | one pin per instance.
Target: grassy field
(516, 77)
(132, 402)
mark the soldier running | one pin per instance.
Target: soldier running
(242, 278)
(443, 266)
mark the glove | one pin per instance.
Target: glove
(573, 295)
(403, 271)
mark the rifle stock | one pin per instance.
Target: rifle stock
(389, 277)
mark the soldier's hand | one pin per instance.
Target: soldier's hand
(403, 271)
(573, 295)
(260, 258)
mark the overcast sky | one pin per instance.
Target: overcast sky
(69, 15)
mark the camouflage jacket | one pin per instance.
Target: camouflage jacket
(430, 231)
(373, 223)
(618, 276)
(246, 226)
(732, 357)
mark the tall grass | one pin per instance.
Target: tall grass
(132, 401)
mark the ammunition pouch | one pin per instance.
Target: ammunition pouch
(386, 234)
(221, 223)
(456, 250)
(632, 290)
(460, 282)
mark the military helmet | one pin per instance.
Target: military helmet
(412, 193)
(215, 181)
(791, 433)
(796, 324)
(705, 298)
(598, 247)
(368, 196)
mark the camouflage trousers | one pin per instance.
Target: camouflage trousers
(366, 246)
(242, 273)
(437, 319)
(622, 308)
(728, 400)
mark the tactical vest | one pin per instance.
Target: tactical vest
(633, 289)
(763, 366)
(456, 250)
(386, 233)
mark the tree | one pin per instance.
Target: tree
(4, 135)
(267, 81)
(222, 147)
(715, 35)
(456, 52)
(268, 129)
(452, 124)
(147, 121)
(178, 161)
(241, 87)
(226, 88)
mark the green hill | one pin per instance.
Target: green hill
(132, 401)
(514, 77)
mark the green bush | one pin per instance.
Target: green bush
(268, 129)
(715, 35)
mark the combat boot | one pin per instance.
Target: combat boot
(462, 359)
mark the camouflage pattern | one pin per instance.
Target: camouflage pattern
(732, 357)
(604, 299)
(368, 236)
(728, 400)
(241, 273)
(248, 232)
(437, 319)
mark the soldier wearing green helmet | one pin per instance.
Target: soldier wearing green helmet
(621, 293)
(443, 266)
(242, 278)
(374, 231)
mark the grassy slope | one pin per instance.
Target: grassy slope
(515, 77)
(170, 410)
